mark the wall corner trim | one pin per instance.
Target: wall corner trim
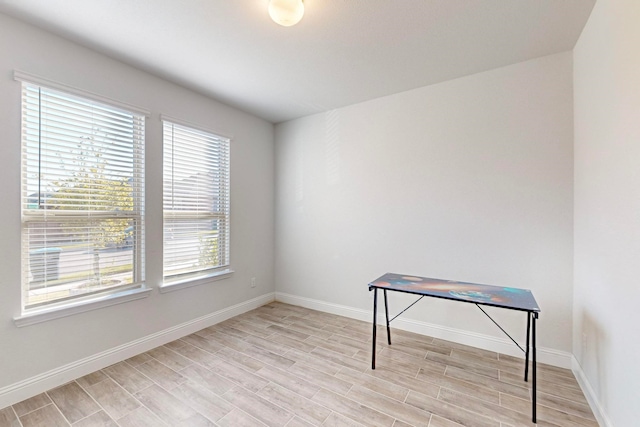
(590, 394)
(29, 387)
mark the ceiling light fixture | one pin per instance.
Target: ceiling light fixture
(286, 12)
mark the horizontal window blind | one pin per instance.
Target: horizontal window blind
(82, 197)
(196, 201)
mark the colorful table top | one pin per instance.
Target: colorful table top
(497, 296)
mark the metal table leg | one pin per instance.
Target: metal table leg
(526, 359)
(386, 312)
(375, 311)
(534, 374)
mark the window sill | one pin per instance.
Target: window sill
(46, 314)
(175, 285)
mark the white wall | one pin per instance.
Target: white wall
(470, 179)
(30, 351)
(607, 208)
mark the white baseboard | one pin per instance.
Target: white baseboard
(590, 394)
(17, 392)
(544, 355)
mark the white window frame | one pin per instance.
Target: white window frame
(197, 276)
(109, 296)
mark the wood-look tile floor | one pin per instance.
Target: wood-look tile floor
(282, 365)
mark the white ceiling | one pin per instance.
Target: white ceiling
(341, 53)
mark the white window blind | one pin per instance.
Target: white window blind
(82, 198)
(196, 202)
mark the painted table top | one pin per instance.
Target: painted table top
(497, 296)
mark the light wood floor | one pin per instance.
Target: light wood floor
(282, 365)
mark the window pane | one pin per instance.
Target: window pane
(72, 258)
(192, 245)
(82, 192)
(196, 201)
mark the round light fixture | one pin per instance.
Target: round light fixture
(286, 12)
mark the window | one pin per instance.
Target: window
(196, 203)
(82, 198)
